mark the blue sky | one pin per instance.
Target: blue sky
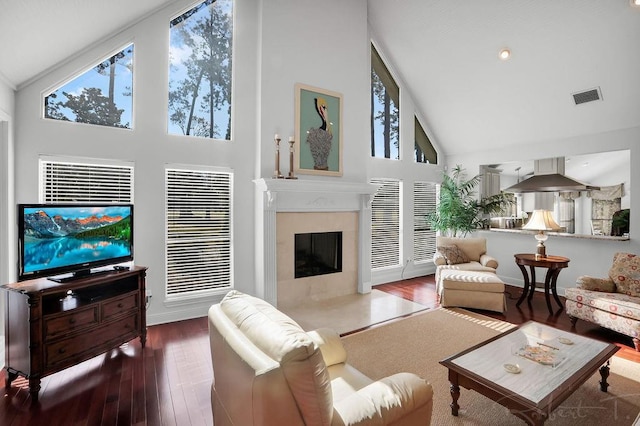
(179, 53)
(92, 78)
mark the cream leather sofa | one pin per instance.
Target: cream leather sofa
(268, 371)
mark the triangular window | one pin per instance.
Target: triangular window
(424, 150)
(102, 95)
(385, 110)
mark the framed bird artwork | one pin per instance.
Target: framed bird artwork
(318, 130)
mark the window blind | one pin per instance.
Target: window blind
(198, 226)
(73, 182)
(424, 238)
(385, 224)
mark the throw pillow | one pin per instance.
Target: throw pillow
(453, 254)
(625, 272)
(596, 284)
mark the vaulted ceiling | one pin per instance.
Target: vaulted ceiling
(444, 51)
(36, 35)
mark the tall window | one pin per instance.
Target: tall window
(101, 95)
(425, 152)
(200, 71)
(424, 238)
(385, 110)
(77, 182)
(386, 224)
(198, 225)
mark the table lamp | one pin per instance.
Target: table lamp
(541, 220)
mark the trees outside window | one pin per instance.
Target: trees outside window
(100, 96)
(200, 71)
(423, 148)
(385, 110)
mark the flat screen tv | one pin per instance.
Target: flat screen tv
(72, 238)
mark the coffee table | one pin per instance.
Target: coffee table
(539, 387)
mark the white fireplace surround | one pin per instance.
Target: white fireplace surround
(300, 195)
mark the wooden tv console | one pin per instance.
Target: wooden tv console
(51, 326)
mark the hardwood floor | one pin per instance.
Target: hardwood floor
(168, 383)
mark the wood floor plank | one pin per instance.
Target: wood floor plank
(151, 407)
(138, 410)
(98, 399)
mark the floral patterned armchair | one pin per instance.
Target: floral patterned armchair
(612, 302)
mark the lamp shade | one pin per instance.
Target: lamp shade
(541, 220)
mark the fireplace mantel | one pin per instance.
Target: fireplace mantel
(306, 195)
(287, 195)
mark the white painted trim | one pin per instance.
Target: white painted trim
(283, 195)
(7, 218)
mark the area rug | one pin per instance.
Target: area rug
(417, 343)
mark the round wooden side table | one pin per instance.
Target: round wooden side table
(554, 265)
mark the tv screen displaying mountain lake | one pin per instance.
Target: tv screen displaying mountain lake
(57, 238)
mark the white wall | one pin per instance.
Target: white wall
(277, 44)
(150, 147)
(588, 256)
(408, 171)
(7, 205)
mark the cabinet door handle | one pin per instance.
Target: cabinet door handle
(61, 350)
(120, 305)
(72, 320)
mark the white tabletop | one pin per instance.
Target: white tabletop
(535, 380)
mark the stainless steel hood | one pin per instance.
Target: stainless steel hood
(554, 182)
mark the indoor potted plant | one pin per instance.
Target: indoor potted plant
(459, 211)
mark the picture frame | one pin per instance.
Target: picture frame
(318, 131)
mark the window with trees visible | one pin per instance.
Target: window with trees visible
(424, 203)
(386, 222)
(425, 152)
(100, 96)
(198, 224)
(385, 110)
(200, 71)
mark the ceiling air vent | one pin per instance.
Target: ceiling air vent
(587, 96)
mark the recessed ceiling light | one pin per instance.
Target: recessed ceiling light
(506, 53)
(635, 3)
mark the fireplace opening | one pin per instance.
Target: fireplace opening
(318, 253)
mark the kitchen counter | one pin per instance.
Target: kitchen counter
(559, 234)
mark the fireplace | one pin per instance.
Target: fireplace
(317, 253)
(303, 206)
(294, 290)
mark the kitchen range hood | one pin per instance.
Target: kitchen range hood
(548, 176)
(553, 182)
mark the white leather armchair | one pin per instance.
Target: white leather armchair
(268, 371)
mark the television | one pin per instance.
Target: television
(58, 239)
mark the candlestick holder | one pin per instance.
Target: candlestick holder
(291, 143)
(276, 173)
